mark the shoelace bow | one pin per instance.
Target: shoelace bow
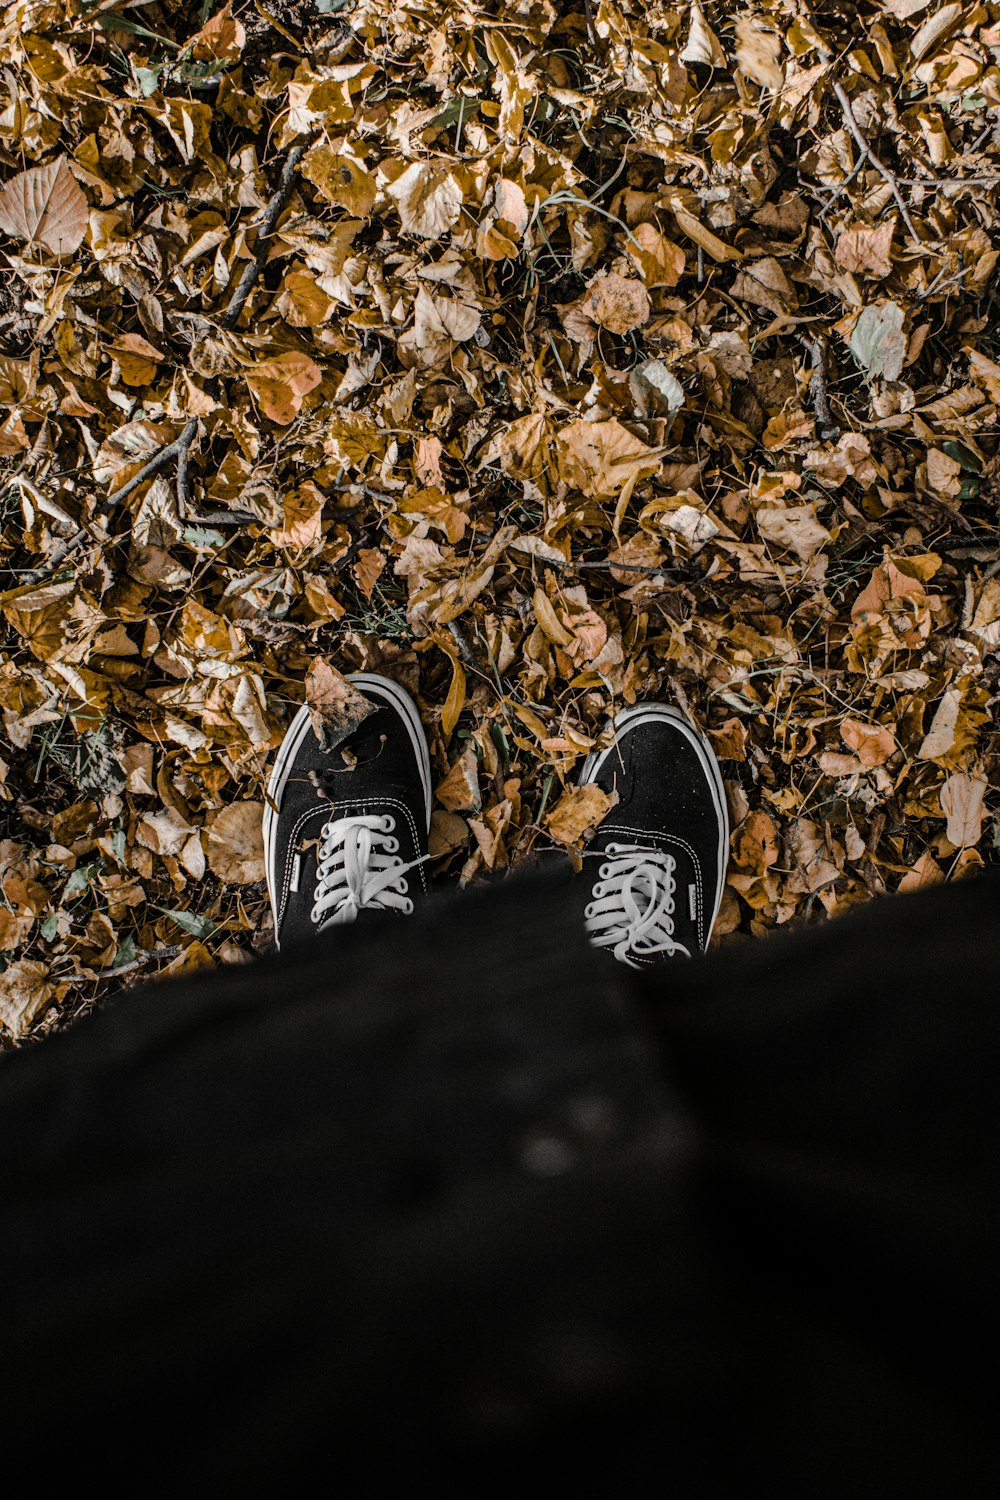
(358, 868)
(632, 910)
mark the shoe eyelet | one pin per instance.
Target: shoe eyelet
(387, 822)
(588, 912)
(391, 845)
(604, 871)
(408, 907)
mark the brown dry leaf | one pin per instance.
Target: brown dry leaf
(758, 53)
(864, 250)
(962, 799)
(795, 528)
(755, 845)
(429, 200)
(872, 744)
(45, 206)
(579, 811)
(336, 707)
(617, 303)
(281, 383)
(660, 261)
(941, 736)
(234, 843)
(25, 990)
(602, 458)
(459, 791)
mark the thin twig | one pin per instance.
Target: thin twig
(462, 642)
(863, 146)
(827, 424)
(275, 204)
(589, 16)
(157, 462)
(181, 446)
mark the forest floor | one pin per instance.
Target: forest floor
(545, 355)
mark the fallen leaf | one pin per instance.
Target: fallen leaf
(234, 843)
(617, 303)
(878, 342)
(429, 200)
(281, 383)
(45, 206)
(962, 798)
(873, 744)
(578, 813)
(336, 707)
(459, 791)
(758, 53)
(25, 990)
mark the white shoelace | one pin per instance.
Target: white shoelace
(632, 910)
(358, 868)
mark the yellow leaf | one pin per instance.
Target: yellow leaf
(341, 179)
(455, 701)
(695, 230)
(551, 625)
(578, 813)
(302, 302)
(659, 260)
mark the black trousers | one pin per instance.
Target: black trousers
(456, 1200)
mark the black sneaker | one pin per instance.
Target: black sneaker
(655, 869)
(350, 831)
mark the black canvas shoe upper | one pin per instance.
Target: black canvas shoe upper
(350, 831)
(654, 870)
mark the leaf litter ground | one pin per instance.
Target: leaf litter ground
(542, 356)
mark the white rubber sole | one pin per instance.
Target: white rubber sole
(642, 713)
(382, 689)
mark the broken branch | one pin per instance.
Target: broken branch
(861, 140)
(181, 446)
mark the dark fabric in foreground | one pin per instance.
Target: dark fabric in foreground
(454, 1199)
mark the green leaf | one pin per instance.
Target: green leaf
(962, 455)
(48, 927)
(126, 951)
(111, 22)
(203, 537)
(878, 342)
(79, 880)
(189, 921)
(149, 80)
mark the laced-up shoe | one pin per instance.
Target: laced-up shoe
(655, 869)
(347, 832)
